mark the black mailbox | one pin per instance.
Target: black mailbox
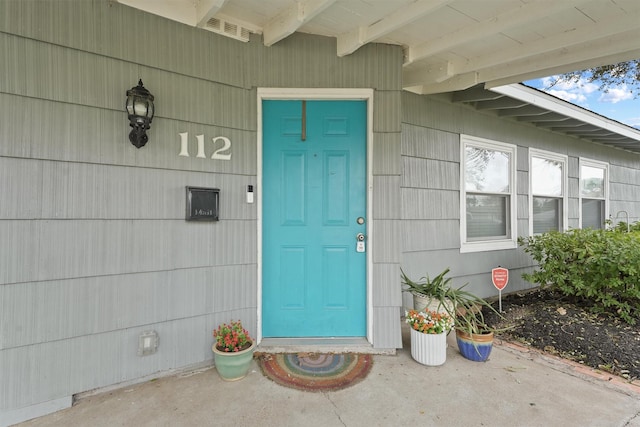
(202, 204)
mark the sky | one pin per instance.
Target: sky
(617, 104)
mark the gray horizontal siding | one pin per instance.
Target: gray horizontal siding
(48, 76)
(387, 111)
(522, 207)
(386, 154)
(74, 133)
(624, 192)
(573, 169)
(90, 361)
(386, 327)
(103, 28)
(304, 60)
(624, 174)
(430, 143)
(522, 182)
(522, 159)
(385, 281)
(523, 224)
(43, 189)
(421, 235)
(573, 189)
(425, 203)
(179, 96)
(632, 208)
(50, 249)
(425, 173)
(387, 244)
(195, 100)
(386, 197)
(94, 305)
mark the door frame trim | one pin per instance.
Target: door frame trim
(337, 94)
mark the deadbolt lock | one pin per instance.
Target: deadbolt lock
(360, 242)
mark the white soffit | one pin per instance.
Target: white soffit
(530, 105)
(448, 45)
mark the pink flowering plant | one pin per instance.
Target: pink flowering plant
(232, 337)
(429, 322)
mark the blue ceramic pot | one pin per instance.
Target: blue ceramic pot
(476, 347)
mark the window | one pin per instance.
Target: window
(594, 189)
(547, 191)
(487, 195)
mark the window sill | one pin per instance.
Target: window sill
(497, 245)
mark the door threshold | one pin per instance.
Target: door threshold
(320, 345)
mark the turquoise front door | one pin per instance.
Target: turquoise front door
(313, 207)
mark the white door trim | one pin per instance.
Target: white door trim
(309, 94)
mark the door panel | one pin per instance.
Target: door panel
(314, 280)
(294, 180)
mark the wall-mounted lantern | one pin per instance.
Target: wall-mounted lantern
(140, 109)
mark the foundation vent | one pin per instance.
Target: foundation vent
(229, 29)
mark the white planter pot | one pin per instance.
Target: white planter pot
(429, 349)
(421, 302)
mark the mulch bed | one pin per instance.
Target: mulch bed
(567, 328)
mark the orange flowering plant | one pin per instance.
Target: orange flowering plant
(232, 337)
(429, 322)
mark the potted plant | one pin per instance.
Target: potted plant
(232, 350)
(473, 335)
(429, 331)
(429, 293)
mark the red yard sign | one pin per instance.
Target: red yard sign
(500, 277)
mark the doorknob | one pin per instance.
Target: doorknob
(360, 237)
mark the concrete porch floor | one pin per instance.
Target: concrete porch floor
(514, 388)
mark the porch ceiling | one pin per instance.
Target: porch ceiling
(448, 44)
(525, 104)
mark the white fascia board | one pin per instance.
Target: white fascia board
(551, 103)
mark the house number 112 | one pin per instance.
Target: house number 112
(221, 152)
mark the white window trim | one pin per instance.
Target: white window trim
(594, 164)
(488, 245)
(548, 155)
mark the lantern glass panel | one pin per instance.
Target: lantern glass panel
(130, 105)
(140, 108)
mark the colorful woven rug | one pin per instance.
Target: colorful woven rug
(316, 372)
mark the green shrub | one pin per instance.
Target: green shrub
(600, 266)
(623, 227)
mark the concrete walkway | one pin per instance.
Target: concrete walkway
(514, 388)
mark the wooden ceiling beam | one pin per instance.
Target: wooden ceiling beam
(289, 20)
(526, 111)
(607, 42)
(516, 17)
(351, 41)
(602, 43)
(432, 73)
(475, 94)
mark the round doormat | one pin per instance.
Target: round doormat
(314, 371)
